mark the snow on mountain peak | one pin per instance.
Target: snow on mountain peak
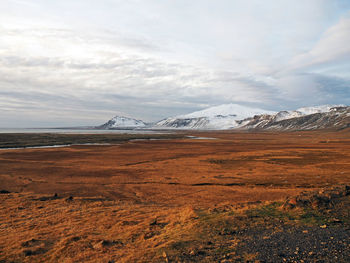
(123, 122)
(317, 109)
(219, 117)
(238, 112)
(284, 115)
(230, 116)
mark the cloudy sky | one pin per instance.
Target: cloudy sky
(80, 62)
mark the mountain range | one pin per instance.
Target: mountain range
(122, 122)
(233, 116)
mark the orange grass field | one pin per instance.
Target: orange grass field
(135, 201)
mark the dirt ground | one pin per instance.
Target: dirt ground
(158, 200)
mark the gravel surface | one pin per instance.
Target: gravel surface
(300, 244)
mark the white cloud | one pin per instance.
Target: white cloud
(85, 60)
(333, 47)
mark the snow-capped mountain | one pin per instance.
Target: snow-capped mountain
(216, 118)
(308, 118)
(233, 116)
(284, 115)
(120, 122)
(231, 110)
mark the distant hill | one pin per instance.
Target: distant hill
(233, 116)
(120, 122)
(216, 118)
(327, 118)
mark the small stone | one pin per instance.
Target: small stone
(153, 222)
(103, 244)
(336, 221)
(28, 252)
(106, 243)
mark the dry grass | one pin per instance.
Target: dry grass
(152, 201)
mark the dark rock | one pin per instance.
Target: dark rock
(75, 239)
(154, 222)
(107, 243)
(31, 242)
(28, 252)
(32, 252)
(318, 199)
(48, 198)
(336, 221)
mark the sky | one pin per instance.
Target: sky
(81, 62)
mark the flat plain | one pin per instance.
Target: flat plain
(188, 197)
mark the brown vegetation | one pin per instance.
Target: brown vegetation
(161, 200)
